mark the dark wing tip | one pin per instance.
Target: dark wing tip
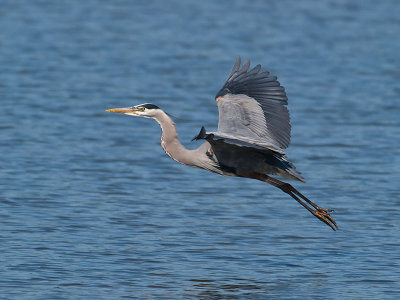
(235, 67)
(253, 83)
(245, 66)
(201, 135)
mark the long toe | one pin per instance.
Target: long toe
(324, 210)
(326, 218)
(325, 213)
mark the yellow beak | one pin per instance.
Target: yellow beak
(123, 110)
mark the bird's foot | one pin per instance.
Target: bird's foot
(321, 213)
(324, 216)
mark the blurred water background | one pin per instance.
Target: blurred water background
(92, 208)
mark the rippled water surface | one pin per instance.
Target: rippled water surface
(92, 208)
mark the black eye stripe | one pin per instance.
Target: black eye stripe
(148, 106)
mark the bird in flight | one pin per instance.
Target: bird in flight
(253, 129)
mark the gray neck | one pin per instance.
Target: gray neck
(170, 141)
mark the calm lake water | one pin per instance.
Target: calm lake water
(92, 208)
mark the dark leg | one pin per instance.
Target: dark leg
(319, 212)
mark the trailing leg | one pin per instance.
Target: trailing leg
(319, 212)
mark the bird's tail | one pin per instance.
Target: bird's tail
(287, 170)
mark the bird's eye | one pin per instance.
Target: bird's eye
(141, 108)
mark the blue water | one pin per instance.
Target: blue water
(92, 208)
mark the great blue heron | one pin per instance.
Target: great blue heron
(253, 129)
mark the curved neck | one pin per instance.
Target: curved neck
(170, 141)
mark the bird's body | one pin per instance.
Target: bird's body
(253, 130)
(222, 158)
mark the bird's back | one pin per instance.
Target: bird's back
(236, 160)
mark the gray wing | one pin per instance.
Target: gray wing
(215, 138)
(252, 108)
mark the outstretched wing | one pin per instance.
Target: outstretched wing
(252, 108)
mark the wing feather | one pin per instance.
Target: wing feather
(252, 108)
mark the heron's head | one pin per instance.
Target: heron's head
(146, 110)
